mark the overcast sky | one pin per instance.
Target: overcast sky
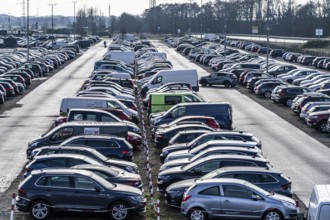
(65, 7)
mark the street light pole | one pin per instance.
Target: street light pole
(74, 19)
(52, 5)
(267, 49)
(27, 30)
(225, 30)
(201, 19)
(189, 27)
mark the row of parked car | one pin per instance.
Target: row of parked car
(89, 151)
(280, 82)
(208, 169)
(18, 68)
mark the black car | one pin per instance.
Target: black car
(268, 179)
(86, 151)
(114, 175)
(218, 135)
(276, 53)
(73, 190)
(286, 93)
(186, 136)
(162, 137)
(203, 166)
(109, 146)
(308, 97)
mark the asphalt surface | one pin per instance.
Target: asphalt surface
(299, 156)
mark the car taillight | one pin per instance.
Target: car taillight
(28, 170)
(187, 197)
(148, 103)
(281, 93)
(213, 124)
(124, 151)
(285, 186)
(21, 192)
(134, 183)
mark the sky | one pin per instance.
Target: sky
(66, 7)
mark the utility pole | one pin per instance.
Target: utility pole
(225, 30)
(27, 31)
(267, 49)
(74, 19)
(109, 27)
(202, 19)
(189, 27)
(86, 19)
(52, 5)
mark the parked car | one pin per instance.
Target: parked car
(163, 136)
(318, 120)
(66, 190)
(185, 136)
(285, 93)
(267, 179)
(298, 104)
(109, 146)
(221, 78)
(276, 53)
(233, 198)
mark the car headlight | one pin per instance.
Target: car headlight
(33, 145)
(289, 205)
(163, 177)
(137, 198)
(314, 117)
(129, 169)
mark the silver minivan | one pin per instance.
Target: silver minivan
(234, 198)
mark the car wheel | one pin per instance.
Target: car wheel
(119, 211)
(40, 210)
(272, 215)
(197, 214)
(226, 84)
(322, 126)
(203, 82)
(288, 102)
(267, 94)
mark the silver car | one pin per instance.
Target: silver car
(234, 198)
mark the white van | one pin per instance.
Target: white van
(127, 57)
(166, 76)
(319, 203)
(95, 102)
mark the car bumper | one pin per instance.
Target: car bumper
(173, 198)
(22, 204)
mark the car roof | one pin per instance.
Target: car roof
(67, 147)
(100, 136)
(193, 131)
(62, 171)
(76, 156)
(246, 169)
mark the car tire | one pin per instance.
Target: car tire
(226, 84)
(39, 210)
(203, 83)
(197, 214)
(119, 211)
(272, 214)
(267, 94)
(322, 126)
(288, 102)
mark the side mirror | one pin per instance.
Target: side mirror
(97, 188)
(255, 197)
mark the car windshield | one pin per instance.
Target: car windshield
(102, 181)
(210, 175)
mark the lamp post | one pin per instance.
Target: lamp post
(27, 31)
(201, 19)
(52, 6)
(225, 30)
(189, 27)
(267, 28)
(74, 19)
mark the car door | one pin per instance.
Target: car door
(87, 197)
(210, 197)
(238, 201)
(58, 189)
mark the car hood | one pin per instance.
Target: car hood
(120, 162)
(181, 184)
(170, 171)
(174, 163)
(282, 198)
(174, 147)
(125, 189)
(177, 153)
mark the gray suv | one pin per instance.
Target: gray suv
(222, 78)
(50, 190)
(233, 198)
